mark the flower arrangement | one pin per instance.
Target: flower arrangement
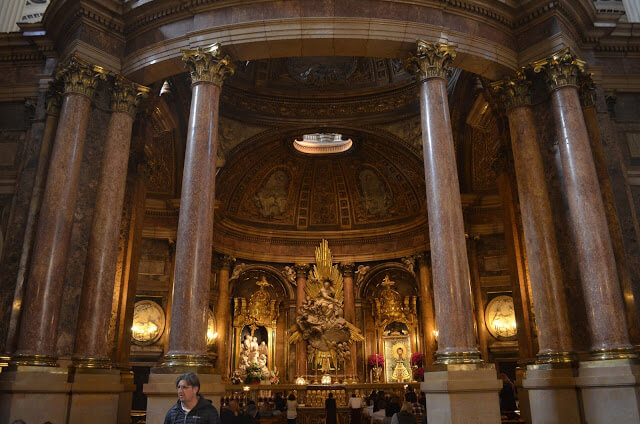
(254, 374)
(418, 374)
(376, 360)
(417, 358)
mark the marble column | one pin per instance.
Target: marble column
(54, 97)
(427, 314)
(188, 337)
(587, 99)
(594, 251)
(223, 316)
(43, 293)
(301, 347)
(478, 303)
(554, 335)
(452, 294)
(91, 346)
(349, 312)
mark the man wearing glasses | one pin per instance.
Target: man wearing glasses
(191, 408)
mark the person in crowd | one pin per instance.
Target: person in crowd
(393, 407)
(508, 397)
(250, 415)
(405, 415)
(229, 413)
(292, 409)
(191, 408)
(410, 395)
(280, 402)
(330, 408)
(355, 406)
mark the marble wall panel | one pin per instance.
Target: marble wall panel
(17, 205)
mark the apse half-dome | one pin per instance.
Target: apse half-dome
(371, 194)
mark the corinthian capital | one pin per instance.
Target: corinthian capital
(587, 90)
(208, 64)
(560, 69)
(126, 96)
(513, 92)
(79, 76)
(432, 60)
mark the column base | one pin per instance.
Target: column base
(552, 394)
(34, 394)
(179, 360)
(94, 396)
(610, 391)
(462, 394)
(34, 360)
(162, 394)
(126, 397)
(92, 363)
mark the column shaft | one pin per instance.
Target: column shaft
(452, 293)
(427, 314)
(301, 347)
(476, 290)
(554, 335)
(43, 294)
(349, 313)
(223, 316)
(594, 250)
(187, 341)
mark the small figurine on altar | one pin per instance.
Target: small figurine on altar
(400, 372)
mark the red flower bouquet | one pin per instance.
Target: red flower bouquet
(376, 360)
(417, 358)
(418, 374)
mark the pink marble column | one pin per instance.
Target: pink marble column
(554, 335)
(349, 312)
(427, 314)
(301, 347)
(91, 346)
(591, 237)
(43, 293)
(192, 275)
(452, 293)
(223, 316)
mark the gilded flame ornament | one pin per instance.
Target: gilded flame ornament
(320, 321)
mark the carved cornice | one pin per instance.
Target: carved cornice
(560, 69)
(208, 64)
(514, 91)
(80, 77)
(432, 60)
(126, 95)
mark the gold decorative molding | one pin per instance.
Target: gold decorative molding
(126, 96)
(465, 357)
(208, 64)
(560, 69)
(607, 354)
(554, 357)
(513, 92)
(34, 360)
(80, 77)
(301, 270)
(432, 60)
(92, 363)
(172, 361)
(54, 97)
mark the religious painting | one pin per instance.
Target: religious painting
(271, 198)
(376, 199)
(500, 317)
(397, 353)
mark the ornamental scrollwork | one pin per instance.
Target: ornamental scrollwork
(208, 64)
(432, 60)
(560, 69)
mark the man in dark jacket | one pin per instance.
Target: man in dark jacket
(191, 408)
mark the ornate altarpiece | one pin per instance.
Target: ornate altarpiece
(256, 316)
(396, 322)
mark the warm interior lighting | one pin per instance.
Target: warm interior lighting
(326, 379)
(144, 331)
(435, 334)
(246, 388)
(301, 381)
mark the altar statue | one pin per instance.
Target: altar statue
(327, 299)
(400, 372)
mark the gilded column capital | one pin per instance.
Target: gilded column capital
(301, 270)
(54, 97)
(560, 69)
(424, 259)
(348, 269)
(80, 77)
(126, 96)
(513, 91)
(587, 90)
(222, 262)
(432, 60)
(208, 64)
